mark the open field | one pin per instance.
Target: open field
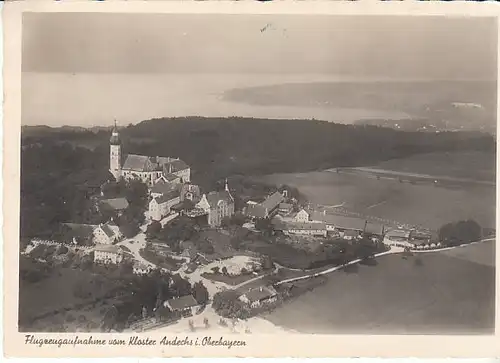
(472, 164)
(442, 295)
(417, 204)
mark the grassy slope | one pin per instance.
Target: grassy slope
(444, 295)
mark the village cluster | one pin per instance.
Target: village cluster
(172, 194)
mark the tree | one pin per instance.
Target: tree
(180, 286)
(224, 270)
(460, 232)
(266, 262)
(264, 225)
(200, 293)
(153, 230)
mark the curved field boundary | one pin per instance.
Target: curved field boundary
(391, 251)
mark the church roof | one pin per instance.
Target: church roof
(178, 165)
(214, 197)
(115, 137)
(136, 162)
(153, 163)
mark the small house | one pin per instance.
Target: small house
(259, 296)
(306, 228)
(351, 234)
(184, 305)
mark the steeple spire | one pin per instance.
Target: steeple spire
(226, 186)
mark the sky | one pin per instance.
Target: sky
(70, 59)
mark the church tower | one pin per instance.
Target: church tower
(115, 154)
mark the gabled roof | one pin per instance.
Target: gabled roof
(108, 248)
(272, 201)
(285, 206)
(182, 302)
(107, 230)
(167, 196)
(136, 162)
(178, 165)
(260, 293)
(351, 233)
(398, 233)
(255, 210)
(213, 198)
(162, 187)
(116, 203)
(339, 221)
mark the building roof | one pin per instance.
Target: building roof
(162, 187)
(178, 165)
(115, 137)
(339, 221)
(116, 203)
(107, 248)
(255, 210)
(285, 206)
(272, 201)
(136, 162)
(182, 302)
(398, 233)
(170, 177)
(260, 293)
(309, 226)
(351, 233)
(81, 230)
(374, 228)
(107, 230)
(213, 198)
(167, 197)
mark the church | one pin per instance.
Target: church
(148, 169)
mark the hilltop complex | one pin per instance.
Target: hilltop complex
(169, 183)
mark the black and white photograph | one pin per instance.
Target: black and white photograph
(205, 173)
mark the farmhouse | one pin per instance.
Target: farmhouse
(302, 216)
(160, 206)
(259, 296)
(106, 235)
(148, 169)
(398, 235)
(266, 209)
(185, 305)
(107, 254)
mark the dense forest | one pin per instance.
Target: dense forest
(61, 167)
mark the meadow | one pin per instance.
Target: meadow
(422, 204)
(440, 294)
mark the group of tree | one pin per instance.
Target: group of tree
(227, 304)
(172, 234)
(452, 234)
